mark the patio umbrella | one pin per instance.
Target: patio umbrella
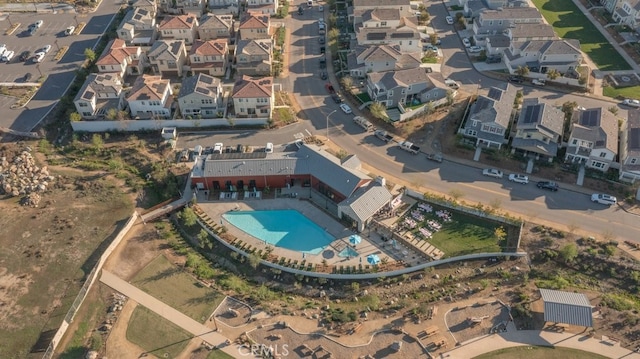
(373, 259)
(355, 239)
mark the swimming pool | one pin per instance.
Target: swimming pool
(282, 228)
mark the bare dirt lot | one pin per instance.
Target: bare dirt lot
(47, 251)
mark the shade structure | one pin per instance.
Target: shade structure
(355, 239)
(373, 259)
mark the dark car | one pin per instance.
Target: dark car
(322, 50)
(25, 55)
(494, 60)
(336, 98)
(516, 79)
(321, 39)
(323, 75)
(551, 186)
(27, 77)
(323, 63)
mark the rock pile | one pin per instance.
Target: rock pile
(22, 177)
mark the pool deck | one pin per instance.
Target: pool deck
(372, 243)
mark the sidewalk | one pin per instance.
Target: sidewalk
(167, 312)
(477, 346)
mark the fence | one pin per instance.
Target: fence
(91, 278)
(140, 125)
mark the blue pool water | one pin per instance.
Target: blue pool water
(282, 228)
(348, 252)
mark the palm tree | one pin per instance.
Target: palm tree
(522, 71)
(553, 74)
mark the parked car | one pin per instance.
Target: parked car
(39, 57)
(322, 49)
(3, 48)
(345, 108)
(518, 178)
(25, 55)
(492, 172)
(631, 102)
(539, 82)
(551, 186)
(32, 31)
(69, 31)
(27, 77)
(493, 60)
(336, 98)
(38, 23)
(466, 42)
(430, 48)
(516, 79)
(8, 55)
(218, 147)
(321, 40)
(604, 199)
(323, 75)
(269, 148)
(449, 20)
(475, 49)
(45, 49)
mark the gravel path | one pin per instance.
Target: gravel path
(460, 325)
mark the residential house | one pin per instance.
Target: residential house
(406, 35)
(495, 22)
(539, 129)
(181, 27)
(149, 5)
(490, 116)
(497, 44)
(168, 57)
(253, 97)
(404, 6)
(628, 13)
(378, 17)
(215, 27)
(100, 95)
(138, 27)
(404, 87)
(610, 5)
(630, 148)
(269, 7)
(594, 139)
(224, 7)
(472, 8)
(121, 59)
(150, 97)
(255, 26)
(380, 58)
(201, 97)
(543, 55)
(183, 7)
(253, 57)
(209, 57)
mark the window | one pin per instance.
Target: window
(574, 142)
(603, 154)
(102, 67)
(83, 104)
(598, 164)
(383, 23)
(86, 114)
(472, 132)
(633, 161)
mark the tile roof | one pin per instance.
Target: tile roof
(183, 22)
(217, 47)
(201, 83)
(567, 307)
(148, 88)
(116, 53)
(255, 21)
(250, 87)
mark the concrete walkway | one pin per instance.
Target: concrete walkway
(167, 312)
(477, 346)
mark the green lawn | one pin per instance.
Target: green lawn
(569, 23)
(623, 92)
(155, 334)
(464, 235)
(170, 284)
(364, 97)
(540, 353)
(218, 354)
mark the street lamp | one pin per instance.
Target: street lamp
(38, 68)
(9, 19)
(58, 47)
(75, 17)
(331, 113)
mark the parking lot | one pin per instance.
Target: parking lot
(59, 73)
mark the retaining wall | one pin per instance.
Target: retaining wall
(140, 125)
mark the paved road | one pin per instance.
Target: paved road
(167, 312)
(60, 74)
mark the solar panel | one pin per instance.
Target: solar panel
(590, 118)
(401, 35)
(531, 114)
(634, 139)
(203, 91)
(495, 93)
(238, 156)
(206, 79)
(376, 36)
(88, 95)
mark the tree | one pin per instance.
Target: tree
(90, 55)
(346, 82)
(188, 216)
(333, 34)
(355, 286)
(254, 260)
(378, 110)
(522, 71)
(569, 253)
(553, 74)
(75, 117)
(500, 233)
(203, 238)
(97, 142)
(450, 98)
(582, 80)
(613, 110)
(568, 108)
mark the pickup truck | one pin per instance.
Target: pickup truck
(409, 147)
(383, 135)
(435, 157)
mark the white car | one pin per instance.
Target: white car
(45, 49)
(218, 147)
(466, 42)
(8, 55)
(449, 20)
(38, 23)
(38, 57)
(627, 102)
(475, 49)
(3, 48)
(539, 82)
(69, 30)
(492, 172)
(517, 178)
(604, 199)
(345, 108)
